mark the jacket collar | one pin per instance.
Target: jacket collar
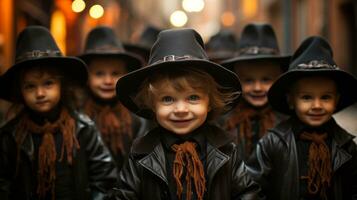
(146, 144)
(28, 146)
(151, 150)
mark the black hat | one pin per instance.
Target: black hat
(314, 57)
(102, 41)
(222, 46)
(258, 42)
(146, 40)
(35, 45)
(174, 48)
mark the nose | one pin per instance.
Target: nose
(181, 107)
(108, 79)
(40, 92)
(257, 86)
(316, 104)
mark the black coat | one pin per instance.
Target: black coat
(275, 164)
(93, 172)
(145, 176)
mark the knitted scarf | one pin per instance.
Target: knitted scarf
(319, 161)
(47, 154)
(114, 123)
(242, 115)
(186, 156)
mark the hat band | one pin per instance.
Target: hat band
(254, 50)
(37, 54)
(316, 64)
(106, 49)
(175, 58)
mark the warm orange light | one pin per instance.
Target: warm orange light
(228, 18)
(250, 8)
(58, 29)
(78, 6)
(178, 18)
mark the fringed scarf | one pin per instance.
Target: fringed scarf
(114, 123)
(319, 163)
(47, 154)
(242, 115)
(187, 159)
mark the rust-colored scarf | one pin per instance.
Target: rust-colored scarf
(186, 156)
(114, 123)
(47, 155)
(243, 115)
(319, 161)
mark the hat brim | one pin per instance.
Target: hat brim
(133, 62)
(277, 94)
(282, 60)
(72, 67)
(128, 85)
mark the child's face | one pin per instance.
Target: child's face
(181, 112)
(256, 79)
(103, 76)
(314, 100)
(41, 91)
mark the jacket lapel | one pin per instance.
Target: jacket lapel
(155, 163)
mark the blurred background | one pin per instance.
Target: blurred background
(293, 20)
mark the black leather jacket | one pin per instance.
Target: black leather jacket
(145, 176)
(275, 164)
(93, 168)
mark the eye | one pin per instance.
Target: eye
(29, 86)
(267, 79)
(326, 97)
(49, 82)
(306, 97)
(194, 97)
(248, 80)
(167, 99)
(99, 73)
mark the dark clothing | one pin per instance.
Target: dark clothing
(146, 175)
(277, 164)
(92, 173)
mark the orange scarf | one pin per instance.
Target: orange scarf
(186, 156)
(114, 123)
(320, 167)
(47, 155)
(242, 115)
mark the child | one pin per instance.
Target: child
(185, 156)
(48, 151)
(309, 156)
(257, 65)
(107, 61)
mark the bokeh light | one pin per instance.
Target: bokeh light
(96, 11)
(193, 5)
(178, 18)
(228, 18)
(78, 6)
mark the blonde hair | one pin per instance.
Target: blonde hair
(181, 79)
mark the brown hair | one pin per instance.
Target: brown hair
(182, 78)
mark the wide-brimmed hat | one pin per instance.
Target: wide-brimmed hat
(314, 57)
(36, 46)
(146, 40)
(102, 41)
(174, 49)
(222, 46)
(258, 42)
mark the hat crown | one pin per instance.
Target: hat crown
(103, 40)
(313, 53)
(258, 39)
(34, 42)
(223, 40)
(177, 44)
(148, 36)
